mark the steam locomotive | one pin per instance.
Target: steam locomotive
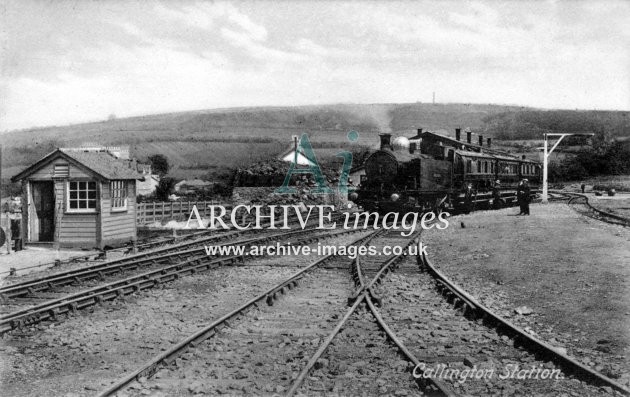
(431, 172)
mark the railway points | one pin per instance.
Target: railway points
(381, 333)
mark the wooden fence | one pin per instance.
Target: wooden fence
(174, 210)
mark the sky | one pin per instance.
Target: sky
(64, 62)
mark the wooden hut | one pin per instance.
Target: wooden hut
(79, 198)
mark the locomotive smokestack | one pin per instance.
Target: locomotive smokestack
(458, 134)
(468, 136)
(480, 140)
(386, 141)
(489, 142)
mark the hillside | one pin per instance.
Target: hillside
(210, 142)
(199, 142)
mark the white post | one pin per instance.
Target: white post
(545, 199)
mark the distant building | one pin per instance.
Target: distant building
(82, 197)
(149, 182)
(192, 186)
(354, 179)
(289, 155)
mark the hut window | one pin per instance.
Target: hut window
(119, 194)
(81, 196)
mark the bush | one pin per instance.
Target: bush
(159, 164)
(611, 160)
(164, 188)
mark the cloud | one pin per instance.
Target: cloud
(66, 61)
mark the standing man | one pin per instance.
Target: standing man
(468, 198)
(496, 195)
(522, 194)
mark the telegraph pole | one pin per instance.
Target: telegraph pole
(545, 198)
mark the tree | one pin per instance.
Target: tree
(159, 164)
(164, 188)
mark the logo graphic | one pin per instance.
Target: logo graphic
(304, 146)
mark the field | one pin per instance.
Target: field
(209, 143)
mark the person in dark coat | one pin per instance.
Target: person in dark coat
(496, 195)
(468, 198)
(522, 194)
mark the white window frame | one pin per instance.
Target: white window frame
(113, 189)
(82, 210)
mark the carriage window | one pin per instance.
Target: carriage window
(81, 196)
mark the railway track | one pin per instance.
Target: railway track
(368, 275)
(148, 247)
(580, 204)
(305, 349)
(313, 278)
(488, 352)
(163, 255)
(178, 264)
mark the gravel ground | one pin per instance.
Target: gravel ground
(44, 258)
(264, 352)
(438, 334)
(89, 351)
(569, 270)
(360, 361)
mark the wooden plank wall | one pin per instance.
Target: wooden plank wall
(118, 225)
(72, 228)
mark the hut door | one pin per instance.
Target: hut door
(44, 203)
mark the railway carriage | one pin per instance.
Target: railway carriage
(431, 172)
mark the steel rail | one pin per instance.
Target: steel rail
(620, 218)
(364, 294)
(441, 388)
(110, 291)
(148, 244)
(19, 289)
(536, 345)
(297, 383)
(151, 366)
(146, 259)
